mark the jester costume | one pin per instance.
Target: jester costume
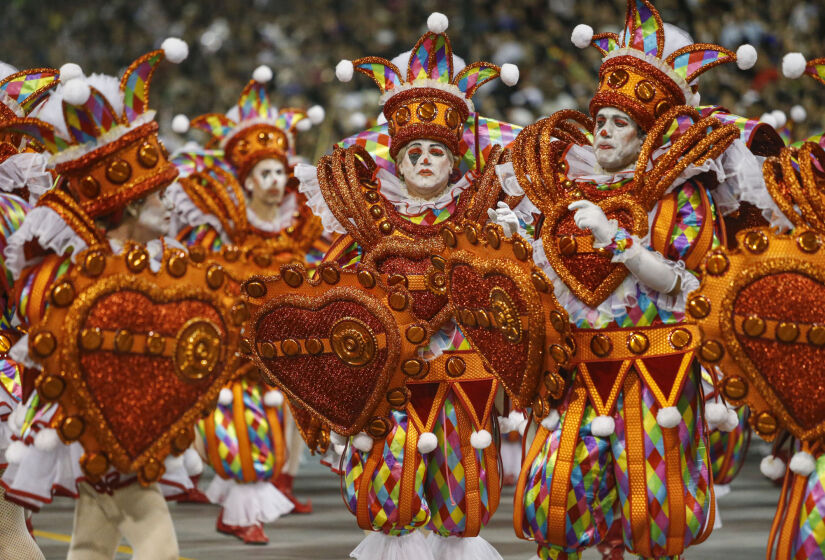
(251, 440)
(433, 466)
(625, 450)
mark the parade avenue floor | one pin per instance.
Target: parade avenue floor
(330, 532)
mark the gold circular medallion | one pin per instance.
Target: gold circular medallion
(63, 294)
(397, 398)
(493, 238)
(753, 326)
(787, 331)
(176, 265)
(137, 259)
(735, 388)
(91, 338)
(151, 471)
(51, 387)
(506, 314)
(197, 349)
(452, 118)
(756, 241)
(679, 338)
(558, 320)
(385, 227)
(416, 334)
(353, 342)
(181, 441)
(124, 340)
(455, 366)
(155, 343)
(717, 264)
(330, 274)
(711, 351)
(94, 264)
(314, 346)
(402, 116)
(291, 347)
(618, 78)
(559, 354)
(89, 187)
(412, 368)
(293, 278)
(471, 231)
(94, 465)
(567, 245)
(72, 427)
(119, 171)
(231, 253)
(637, 343)
(662, 107)
(816, 335)
(645, 91)
(540, 282)
(766, 424)
(255, 289)
(601, 345)
(699, 307)
(809, 242)
(44, 343)
(215, 276)
(148, 155)
(366, 278)
(239, 313)
(267, 350)
(378, 427)
(398, 301)
(427, 111)
(449, 237)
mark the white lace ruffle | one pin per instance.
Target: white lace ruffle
(248, 504)
(380, 546)
(289, 206)
(51, 232)
(186, 213)
(307, 176)
(461, 548)
(20, 353)
(395, 190)
(26, 170)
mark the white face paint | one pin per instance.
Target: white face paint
(267, 182)
(617, 140)
(425, 168)
(154, 216)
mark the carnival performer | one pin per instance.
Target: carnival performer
(238, 195)
(625, 221)
(23, 177)
(89, 126)
(436, 467)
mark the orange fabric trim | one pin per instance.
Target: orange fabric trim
(407, 490)
(636, 466)
(602, 408)
(781, 507)
(650, 380)
(244, 451)
(472, 496)
(478, 423)
(493, 477)
(37, 296)
(560, 486)
(704, 240)
(711, 520)
(362, 513)
(209, 238)
(663, 223)
(675, 492)
(212, 447)
(278, 442)
(526, 465)
(428, 424)
(337, 248)
(790, 525)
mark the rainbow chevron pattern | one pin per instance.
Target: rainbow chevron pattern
(689, 64)
(474, 76)
(728, 449)
(13, 210)
(809, 541)
(200, 159)
(816, 69)
(28, 89)
(645, 30)
(385, 76)
(214, 124)
(288, 118)
(253, 102)
(86, 123)
(431, 59)
(135, 85)
(10, 380)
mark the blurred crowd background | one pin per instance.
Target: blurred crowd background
(302, 40)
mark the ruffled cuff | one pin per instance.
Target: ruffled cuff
(622, 241)
(307, 176)
(687, 280)
(51, 232)
(188, 214)
(26, 170)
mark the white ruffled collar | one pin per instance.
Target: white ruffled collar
(394, 190)
(286, 212)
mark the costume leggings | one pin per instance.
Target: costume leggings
(799, 527)
(652, 481)
(452, 490)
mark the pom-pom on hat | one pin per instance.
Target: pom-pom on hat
(637, 77)
(795, 66)
(101, 134)
(254, 130)
(428, 100)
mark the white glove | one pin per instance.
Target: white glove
(589, 216)
(653, 273)
(504, 216)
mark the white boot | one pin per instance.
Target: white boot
(462, 548)
(380, 546)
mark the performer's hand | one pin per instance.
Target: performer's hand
(589, 216)
(504, 217)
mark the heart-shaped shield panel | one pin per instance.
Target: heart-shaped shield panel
(506, 307)
(334, 344)
(761, 309)
(134, 357)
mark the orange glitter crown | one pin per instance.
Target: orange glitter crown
(254, 130)
(107, 157)
(638, 78)
(432, 102)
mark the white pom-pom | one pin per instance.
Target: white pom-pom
(344, 70)
(358, 120)
(551, 421)
(16, 451)
(316, 114)
(437, 22)
(668, 417)
(780, 117)
(745, 57)
(173, 463)
(192, 462)
(772, 467)
(768, 119)
(273, 398)
(481, 439)
(338, 449)
(225, 397)
(337, 439)
(715, 413)
(175, 50)
(798, 114)
(603, 426)
(362, 442)
(793, 65)
(803, 463)
(46, 439)
(427, 442)
(582, 36)
(731, 422)
(76, 91)
(303, 125)
(522, 427)
(382, 119)
(509, 74)
(180, 124)
(262, 74)
(70, 71)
